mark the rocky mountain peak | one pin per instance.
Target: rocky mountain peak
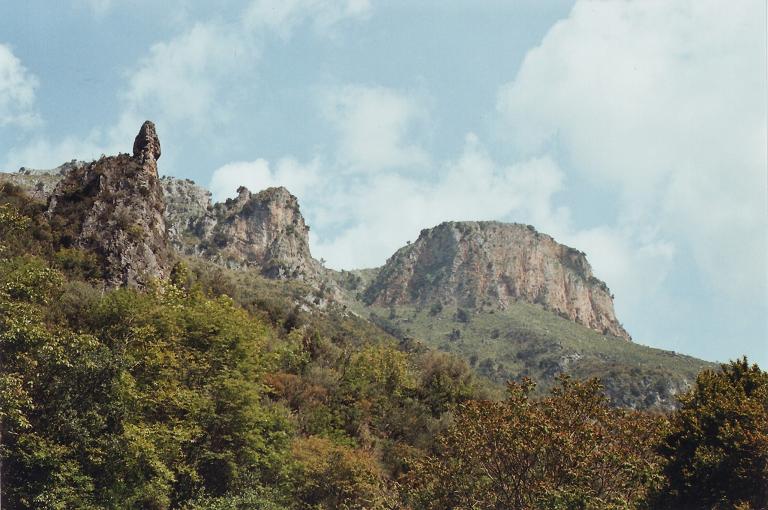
(477, 264)
(147, 145)
(115, 207)
(263, 230)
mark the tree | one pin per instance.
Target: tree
(717, 449)
(445, 380)
(11, 224)
(157, 397)
(330, 476)
(569, 450)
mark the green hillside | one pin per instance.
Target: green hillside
(526, 340)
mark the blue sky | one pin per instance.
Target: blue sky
(634, 131)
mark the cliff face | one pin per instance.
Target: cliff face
(119, 208)
(114, 206)
(472, 264)
(262, 230)
(188, 214)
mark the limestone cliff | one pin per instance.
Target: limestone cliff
(188, 214)
(264, 230)
(475, 264)
(115, 207)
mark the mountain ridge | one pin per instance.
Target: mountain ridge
(510, 300)
(199, 227)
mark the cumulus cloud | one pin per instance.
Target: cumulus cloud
(260, 174)
(371, 218)
(181, 81)
(359, 220)
(375, 126)
(633, 260)
(665, 104)
(17, 91)
(179, 84)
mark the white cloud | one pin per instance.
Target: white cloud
(361, 221)
(665, 104)
(375, 125)
(181, 81)
(41, 153)
(283, 16)
(632, 260)
(179, 85)
(259, 174)
(17, 91)
(185, 84)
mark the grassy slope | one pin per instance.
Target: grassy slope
(526, 340)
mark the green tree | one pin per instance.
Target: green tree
(331, 476)
(717, 449)
(445, 380)
(156, 398)
(569, 450)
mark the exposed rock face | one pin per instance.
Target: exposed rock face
(475, 263)
(115, 207)
(96, 201)
(146, 146)
(264, 230)
(188, 214)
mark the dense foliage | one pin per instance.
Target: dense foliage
(569, 450)
(130, 399)
(221, 390)
(717, 450)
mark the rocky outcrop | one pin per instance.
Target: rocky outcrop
(262, 230)
(146, 145)
(265, 230)
(189, 214)
(475, 264)
(115, 207)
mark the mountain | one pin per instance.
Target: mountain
(511, 301)
(475, 264)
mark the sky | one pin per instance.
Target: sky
(634, 131)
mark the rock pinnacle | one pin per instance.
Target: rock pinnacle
(146, 145)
